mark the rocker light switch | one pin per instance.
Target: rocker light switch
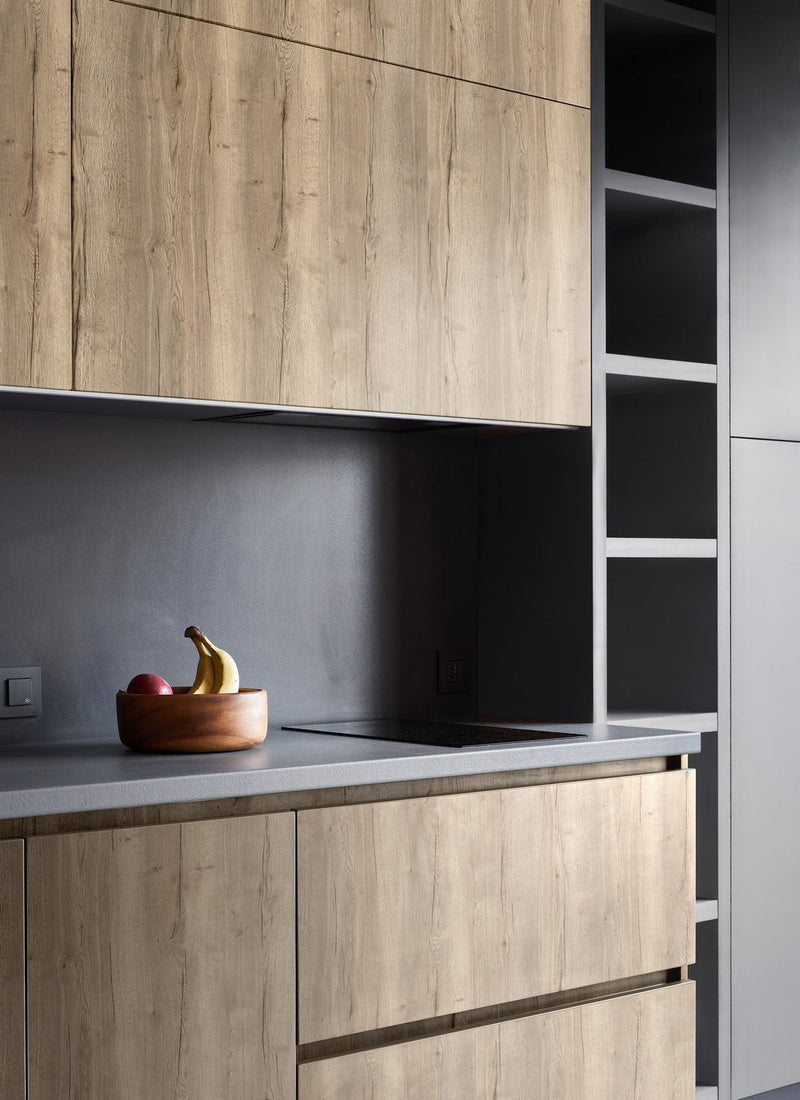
(21, 692)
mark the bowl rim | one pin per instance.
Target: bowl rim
(181, 690)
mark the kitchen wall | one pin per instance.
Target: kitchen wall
(299, 550)
(332, 563)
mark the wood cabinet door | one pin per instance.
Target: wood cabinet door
(161, 962)
(12, 970)
(35, 261)
(418, 908)
(269, 222)
(637, 1047)
(540, 47)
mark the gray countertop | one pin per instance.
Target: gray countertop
(101, 775)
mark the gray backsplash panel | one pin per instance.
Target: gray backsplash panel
(331, 563)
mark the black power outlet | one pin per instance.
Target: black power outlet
(455, 671)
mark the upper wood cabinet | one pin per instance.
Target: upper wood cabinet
(540, 47)
(418, 908)
(35, 343)
(261, 221)
(161, 962)
(12, 970)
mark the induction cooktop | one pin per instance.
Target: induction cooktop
(455, 735)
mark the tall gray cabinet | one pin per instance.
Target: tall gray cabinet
(659, 388)
(765, 546)
(765, 539)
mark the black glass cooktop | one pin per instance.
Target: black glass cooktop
(455, 735)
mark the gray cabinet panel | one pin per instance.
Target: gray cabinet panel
(765, 218)
(765, 543)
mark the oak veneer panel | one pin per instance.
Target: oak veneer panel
(12, 970)
(540, 47)
(639, 1046)
(262, 221)
(161, 962)
(414, 909)
(35, 260)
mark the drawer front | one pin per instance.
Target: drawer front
(639, 1046)
(540, 47)
(413, 909)
(161, 962)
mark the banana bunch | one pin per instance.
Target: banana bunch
(217, 673)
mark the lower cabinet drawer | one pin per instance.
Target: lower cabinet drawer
(161, 962)
(418, 908)
(639, 1046)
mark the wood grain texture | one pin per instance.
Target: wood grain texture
(35, 326)
(413, 909)
(639, 1046)
(12, 970)
(172, 812)
(262, 221)
(161, 962)
(540, 48)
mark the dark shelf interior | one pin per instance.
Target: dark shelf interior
(662, 462)
(662, 634)
(706, 765)
(660, 107)
(698, 5)
(661, 278)
(706, 973)
(535, 575)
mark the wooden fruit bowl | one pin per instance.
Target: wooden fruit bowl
(192, 723)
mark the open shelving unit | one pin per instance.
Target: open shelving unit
(658, 255)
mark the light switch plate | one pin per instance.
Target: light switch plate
(9, 691)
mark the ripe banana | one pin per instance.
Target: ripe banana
(225, 674)
(204, 680)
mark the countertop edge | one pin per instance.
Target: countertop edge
(99, 794)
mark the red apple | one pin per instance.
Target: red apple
(147, 683)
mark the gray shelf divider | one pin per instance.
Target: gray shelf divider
(690, 721)
(661, 548)
(706, 909)
(654, 188)
(667, 370)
